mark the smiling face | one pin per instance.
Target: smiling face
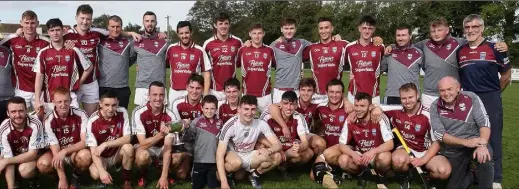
(247, 112)
(409, 99)
(29, 25)
(288, 108)
(222, 27)
(184, 34)
(438, 32)
(194, 91)
(473, 30)
(325, 30)
(17, 113)
(231, 94)
(402, 37)
(61, 103)
(209, 110)
(305, 93)
(334, 93)
(108, 107)
(257, 35)
(83, 21)
(449, 89)
(156, 96)
(361, 108)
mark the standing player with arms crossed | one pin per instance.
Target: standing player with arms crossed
(228, 108)
(242, 133)
(222, 49)
(65, 131)
(108, 137)
(255, 62)
(149, 124)
(185, 58)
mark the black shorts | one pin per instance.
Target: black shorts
(3, 110)
(204, 173)
(392, 100)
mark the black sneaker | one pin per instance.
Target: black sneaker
(230, 180)
(404, 181)
(284, 171)
(381, 182)
(16, 184)
(255, 182)
(75, 182)
(361, 183)
(34, 183)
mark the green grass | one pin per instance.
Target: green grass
(300, 177)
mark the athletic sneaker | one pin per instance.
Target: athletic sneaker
(141, 182)
(34, 183)
(381, 182)
(404, 181)
(496, 185)
(361, 183)
(230, 180)
(255, 182)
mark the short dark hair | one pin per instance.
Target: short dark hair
(182, 24)
(324, 19)
(256, 26)
(30, 15)
(84, 9)
(363, 96)
(287, 21)
(307, 82)
(116, 19)
(109, 94)
(15, 100)
(210, 99)
(404, 27)
(289, 96)
(156, 84)
(196, 78)
(407, 87)
(232, 82)
(54, 22)
(221, 17)
(149, 13)
(440, 21)
(335, 82)
(368, 19)
(249, 99)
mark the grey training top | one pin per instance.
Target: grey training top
(203, 134)
(402, 66)
(289, 62)
(439, 61)
(114, 61)
(6, 86)
(464, 121)
(151, 59)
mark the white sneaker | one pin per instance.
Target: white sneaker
(496, 185)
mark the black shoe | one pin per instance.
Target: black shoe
(255, 182)
(34, 183)
(230, 180)
(75, 182)
(361, 183)
(404, 181)
(381, 181)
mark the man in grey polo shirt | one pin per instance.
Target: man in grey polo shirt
(114, 56)
(460, 122)
(6, 86)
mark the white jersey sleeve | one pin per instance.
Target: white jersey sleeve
(7, 152)
(90, 138)
(343, 139)
(265, 128)
(265, 115)
(50, 137)
(83, 60)
(126, 125)
(390, 107)
(101, 31)
(385, 128)
(84, 119)
(228, 130)
(36, 141)
(302, 127)
(137, 126)
(204, 60)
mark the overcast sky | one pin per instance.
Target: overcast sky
(129, 11)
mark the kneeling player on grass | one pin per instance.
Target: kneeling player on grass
(65, 130)
(370, 142)
(149, 124)
(108, 136)
(412, 120)
(21, 137)
(242, 132)
(295, 148)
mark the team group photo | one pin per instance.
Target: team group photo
(244, 94)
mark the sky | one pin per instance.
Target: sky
(129, 11)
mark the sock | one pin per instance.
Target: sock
(126, 175)
(255, 172)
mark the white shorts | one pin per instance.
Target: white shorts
(277, 93)
(220, 95)
(427, 100)
(319, 98)
(28, 96)
(141, 96)
(174, 95)
(415, 153)
(374, 100)
(246, 159)
(88, 93)
(264, 102)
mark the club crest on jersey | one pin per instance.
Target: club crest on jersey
(92, 41)
(218, 125)
(37, 49)
(462, 107)
(373, 54)
(265, 55)
(120, 44)
(448, 47)
(246, 134)
(294, 44)
(156, 44)
(482, 55)
(67, 58)
(409, 56)
(233, 48)
(417, 127)
(341, 118)
(281, 46)
(334, 49)
(191, 57)
(374, 132)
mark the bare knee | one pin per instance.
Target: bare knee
(442, 172)
(318, 145)
(344, 161)
(232, 165)
(383, 158)
(399, 161)
(44, 166)
(276, 158)
(83, 160)
(176, 159)
(127, 151)
(142, 158)
(27, 170)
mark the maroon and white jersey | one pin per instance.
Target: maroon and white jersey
(363, 138)
(326, 62)
(255, 69)
(308, 113)
(183, 110)
(222, 55)
(65, 132)
(296, 125)
(23, 58)
(416, 129)
(185, 61)
(333, 121)
(14, 142)
(144, 122)
(242, 138)
(88, 45)
(365, 67)
(225, 112)
(100, 130)
(61, 67)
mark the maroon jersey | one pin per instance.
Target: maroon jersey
(225, 112)
(332, 121)
(65, 132)
(144, 122)
(100, 130)
(183, 110)
(326, 61)
(222, 55)
(308, 113)
(60, 68)
(88, 44)
(183, 62)
(255, 69)
(363, 138)
(15, 142)
(365, 67)
(24, 55)
(296, 125)
(416, 129)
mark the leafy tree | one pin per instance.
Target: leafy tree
(133, 27)
(101, 21)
